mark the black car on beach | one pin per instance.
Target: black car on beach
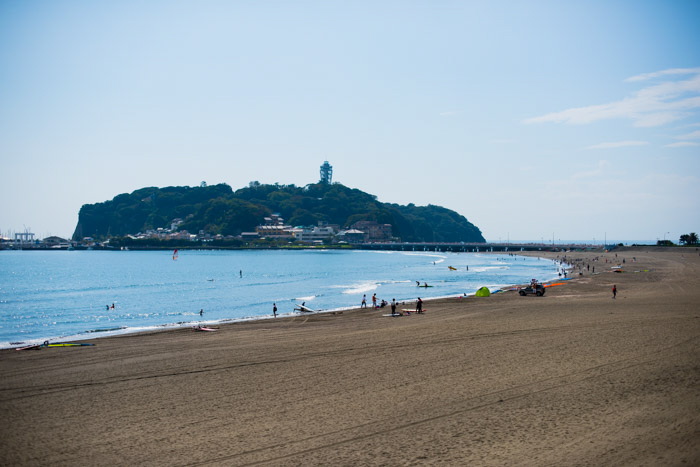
(538, 290)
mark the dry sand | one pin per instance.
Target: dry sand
(571, 378)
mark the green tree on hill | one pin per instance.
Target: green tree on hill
(217, 209)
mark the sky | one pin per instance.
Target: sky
(537, 120)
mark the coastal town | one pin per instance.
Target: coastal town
(273, 228)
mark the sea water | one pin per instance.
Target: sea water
(69, 294)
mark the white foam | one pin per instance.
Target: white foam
(487, 268)
(362, 287)
(306, 299)
(427, 255)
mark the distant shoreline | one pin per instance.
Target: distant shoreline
(408, 246)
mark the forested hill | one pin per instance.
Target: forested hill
(217, 209)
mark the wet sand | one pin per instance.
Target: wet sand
(572, 378)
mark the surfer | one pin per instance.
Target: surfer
(393, 306)
(241, 273)
(201, 312)
(419, 306)
(274, 310)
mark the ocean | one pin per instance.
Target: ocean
(46, 295)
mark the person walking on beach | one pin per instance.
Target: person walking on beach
(364, 301)
(614, 291)
(274, 310)
(393, 306)
(419, 306)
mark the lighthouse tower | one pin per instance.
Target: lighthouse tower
(326, 173)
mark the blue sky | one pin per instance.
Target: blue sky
(538, 119)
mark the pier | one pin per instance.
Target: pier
(475, 247)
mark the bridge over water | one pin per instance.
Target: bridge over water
(475, 247)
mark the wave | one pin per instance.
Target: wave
(362, 287)
(306, 299)
(488, 268)
(367, 286)
(427, 255)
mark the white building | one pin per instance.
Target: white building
(309, 235)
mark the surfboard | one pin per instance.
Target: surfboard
(394, 315)
(414, 311)
(201, 328)
(304, 308)
(30, 347)
(69, 344)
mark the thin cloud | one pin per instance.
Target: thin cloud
(618, 144)
(651, 106)
(691, 135)
(672, 71)
(682, 144)
(451, 113)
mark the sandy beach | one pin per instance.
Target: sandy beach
(572, 378)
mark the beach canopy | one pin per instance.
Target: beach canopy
(483, 292)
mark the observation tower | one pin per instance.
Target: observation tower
(326, 173)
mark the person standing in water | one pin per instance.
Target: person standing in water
(274, 310)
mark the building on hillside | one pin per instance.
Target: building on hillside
(315, 234)
(175, 223)
(374, 231)
(352, 236)
(274, 227)
(326, 173)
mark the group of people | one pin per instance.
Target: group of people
(383, 303)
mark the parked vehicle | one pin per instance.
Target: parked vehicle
(538, 290)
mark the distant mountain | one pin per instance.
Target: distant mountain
(217, 209)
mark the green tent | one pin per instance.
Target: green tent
(483, 292)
